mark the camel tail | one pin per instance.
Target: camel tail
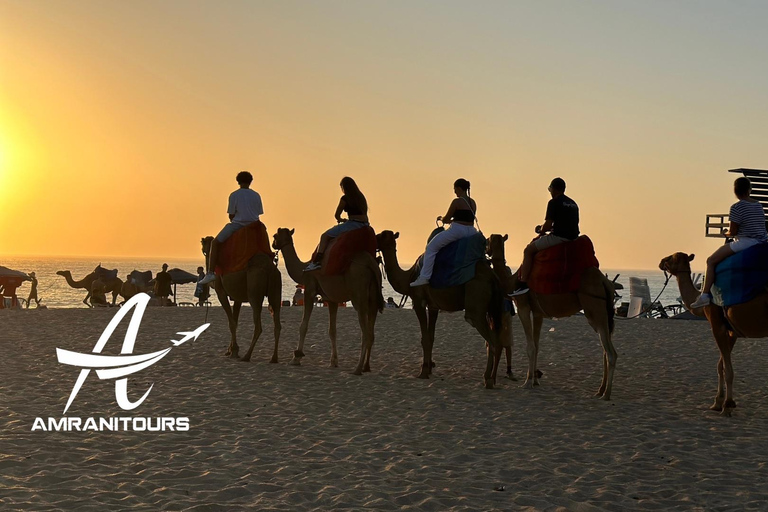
(609, 293)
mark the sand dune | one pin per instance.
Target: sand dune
(279, 437)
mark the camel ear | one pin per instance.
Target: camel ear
(293, 231)
(505, 237)
(397, 235)
(691, 256)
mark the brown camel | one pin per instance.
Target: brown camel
(480, 299)
(594, 297)
(260, 279)
(360, 284)
(747, 320)
(113, 286)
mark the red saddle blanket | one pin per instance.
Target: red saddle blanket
(233, 255)
(338, 256)
(558, 269)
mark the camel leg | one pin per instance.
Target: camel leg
(85, 300)
(235, 352)
(598, 320)
(525, 319)
(433, 314)
(274, 301)
(537, 323)
(421, 315)
(299, 352)
(725, 353)
(720, 396)
(256, 305)
(362, 320)
(497, 360)
(371, 324)
(333, 309)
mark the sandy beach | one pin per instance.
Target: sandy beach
(279, 437)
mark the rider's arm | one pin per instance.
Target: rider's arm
(448, 217)
(339, 209)
(733, 229)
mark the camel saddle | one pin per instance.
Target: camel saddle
(245, 243)
(338, 256)
(558, 269)
(104, 274)
(741, 277)
(455, 263)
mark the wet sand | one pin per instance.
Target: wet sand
(279, 437)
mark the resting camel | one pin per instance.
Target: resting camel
(747, 320)
(361, 284)
(480, 299)
(260, 279)
(110, 285)
(595, 297)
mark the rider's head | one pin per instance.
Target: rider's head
(742, 187)
(354, 197)
(557, 187)
(244, 179)
(461, 185)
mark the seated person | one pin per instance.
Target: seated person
(298, 296)
(391, 303)
(354, 203)
(561, 224)
(461, 217)
(244, 207)
(747, 226)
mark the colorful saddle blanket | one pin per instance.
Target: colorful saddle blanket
(237, 250)
(558, 269)
(338, 256)
(741, 277)
(455, 263)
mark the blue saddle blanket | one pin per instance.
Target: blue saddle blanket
(455, 263)
(741, 277)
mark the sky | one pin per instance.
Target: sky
(123, 124)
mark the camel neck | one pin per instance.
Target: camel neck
(688, 292)
(399, 279)
(293, 264)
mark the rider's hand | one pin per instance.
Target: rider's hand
(538, 229)
(439, 217)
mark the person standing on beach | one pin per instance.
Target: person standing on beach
(244, 207)
(33, 291)
(747, 227)
(561, 224)
(163, 283)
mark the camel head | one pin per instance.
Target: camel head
(679, 262)
(387, 240)
(283, 238)
(64, 273)
(206, 244)
(495, 246)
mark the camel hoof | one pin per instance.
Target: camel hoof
(716, 407)
(357, 372)
(726, 412)
(606, 397)
(234, 355)
(296, 361)
(273, 360)
(367, 369)
(488, 383)
(246, 359)
(298, 354)
(511, 377)
(527, 385)
(334, 363)
(539, 374)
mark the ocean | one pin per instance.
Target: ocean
(55, 293)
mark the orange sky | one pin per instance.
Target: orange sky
(123, 124)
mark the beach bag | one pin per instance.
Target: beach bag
(245, 243)
(558, 269)
(456, 262)
(741, 277)
(343, 248)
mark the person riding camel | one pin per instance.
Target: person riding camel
(353, 202)
(244, 208)
(747, 227)
(561, 224)
(461, 217)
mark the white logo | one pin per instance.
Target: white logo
(118, 367)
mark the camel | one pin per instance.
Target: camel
(480, 299)
(261, 279)
(747, 320)
(361, 284)
(594, 297)
(110, 285)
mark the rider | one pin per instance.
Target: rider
(354, 203)
(561, 224)
(747, 226)
(244, 208)
(461, 217)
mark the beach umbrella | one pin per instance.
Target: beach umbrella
(9, 281)
(179, 276)
(9, 273)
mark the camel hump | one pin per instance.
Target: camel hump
(559, 269)
(245, 243)
(741, 277)
(342, 250)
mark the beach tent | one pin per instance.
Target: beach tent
(179, 276)
(9, 281)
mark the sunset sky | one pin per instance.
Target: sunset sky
(123, 124)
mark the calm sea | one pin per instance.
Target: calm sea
(54, 291)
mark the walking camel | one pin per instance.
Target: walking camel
(594, 297)
(360, 284)
(747, 320)
(259, 280)
(113, 285)
(480, 298)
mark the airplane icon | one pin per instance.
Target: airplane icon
(187, 335)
